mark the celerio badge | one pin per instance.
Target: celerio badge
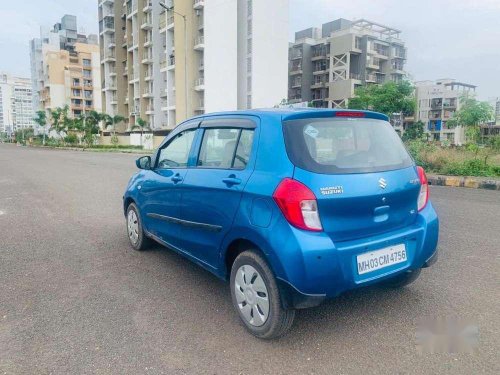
(382, 183)
(331, 190)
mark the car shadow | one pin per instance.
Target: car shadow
(359, 310)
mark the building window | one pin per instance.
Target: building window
(87, 62)
(249, 65)
(249, 84)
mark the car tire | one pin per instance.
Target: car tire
(252, 283)
(138, 240)
(403, 279)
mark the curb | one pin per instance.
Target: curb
(118, 150)
(467, 182)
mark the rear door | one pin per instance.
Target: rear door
(213, 188)
(360, 172)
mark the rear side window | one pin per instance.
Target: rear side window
(226, 148)
(218, 147)
(344, 145)
(244, 149)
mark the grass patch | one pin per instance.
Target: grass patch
(455, 161)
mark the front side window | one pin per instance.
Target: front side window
(176, 153)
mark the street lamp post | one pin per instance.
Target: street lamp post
(163, 5)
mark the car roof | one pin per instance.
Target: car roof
(294, 113)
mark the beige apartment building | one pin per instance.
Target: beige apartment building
(437, 101)
(195, 56)
(65, 69)
(327, 64)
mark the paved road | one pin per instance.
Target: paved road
(74, 298)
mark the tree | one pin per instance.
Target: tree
(413, 132)
(388, 98)
(111, 121)
(60, 120)
(141, 124)
(88, 124)
(41, 120)
(471, 114)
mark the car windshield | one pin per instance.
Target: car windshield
(344, 145)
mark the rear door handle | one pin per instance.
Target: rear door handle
(177, 178)
(231, 180)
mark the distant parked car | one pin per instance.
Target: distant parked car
(291, 206)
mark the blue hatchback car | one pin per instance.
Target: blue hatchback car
(291, 206)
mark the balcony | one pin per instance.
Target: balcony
(320, 70)
(199, 43)
(372, 63)
(163, 66)
(319, 54)
(171, 63)
(163, 25)
(148, 92)
(107, 26)
(148, 59)
(201, 106)
(199, 84)
(296, 54)
(148, 7)
(131, 8)
(150, 110)
(108, 57)
(296, 69)
(297, 83)
(148, 75)
(355, 76)
(318, 85)
(170, 22)
(106, 2)
(198, 4)
(148, 41)
(371, 78)
(147, 23)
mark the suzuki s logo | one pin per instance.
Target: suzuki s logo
(382, 183)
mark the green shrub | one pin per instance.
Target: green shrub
(456, 161)
(71, 139)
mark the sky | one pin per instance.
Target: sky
(445, 38)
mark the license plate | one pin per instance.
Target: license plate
(378, 259)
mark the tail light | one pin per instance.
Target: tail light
(423, 196)
(298, 204)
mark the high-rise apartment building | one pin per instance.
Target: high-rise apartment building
(437, 101)
(16, 111)
(326, 65)
(65, 69)
(196, 56)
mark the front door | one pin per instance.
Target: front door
(212, 189)
(162, 192)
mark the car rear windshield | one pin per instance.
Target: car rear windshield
(344, 145)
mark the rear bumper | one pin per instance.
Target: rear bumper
(316, 268)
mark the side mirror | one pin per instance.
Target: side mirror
(143, 162)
